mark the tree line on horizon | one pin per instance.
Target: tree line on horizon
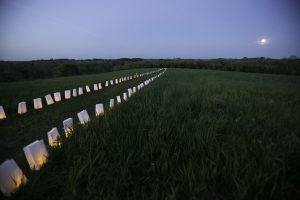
(39, 69)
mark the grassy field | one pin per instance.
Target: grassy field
(191, 134)
(18, 131)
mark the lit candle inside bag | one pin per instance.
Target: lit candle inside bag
(129, 92)
(95, 87)
(80, 91)
(22, 108)
(118, 99)
(111, 103)
(2, 113)
(134, 90)
(74, 92)
(49, 99)
(53, 137)
(99, 109)
(125, 96)
(83, 117)
(36, 154)
(87, 88)
(57, 96)
(11, 177)
(68, 126)
(99, 86)
(67, 94)
(37, 103)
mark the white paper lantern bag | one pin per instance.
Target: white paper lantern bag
(22, 108)
(111, 82)
(74, 92)
(116, 81)
(57, 96)
(80, 91)
(37, 103)
(99, 109)
(111, 103)
(53, 137)
(95, 87)
(49, 99)
(99, 86)
(106, 84)
(36, 154)
(2, 113)
(67, 94)
(118, 99)
(68, 126)
(129, 92)
(83, 117)
(125, 96)
(134, 90)
(120, 80)
(11, 177)
(87, 88)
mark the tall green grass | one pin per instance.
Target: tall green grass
(18, 131)
(191, 134)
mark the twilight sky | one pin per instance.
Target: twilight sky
(79, 29)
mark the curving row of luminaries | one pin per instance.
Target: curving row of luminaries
(68, 94)
(12, 177)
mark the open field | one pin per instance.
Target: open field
(192, 134)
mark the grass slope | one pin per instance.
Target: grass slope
(192, 134)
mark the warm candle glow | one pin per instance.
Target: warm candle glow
(36, 154)
(2, 113)
(11, 177)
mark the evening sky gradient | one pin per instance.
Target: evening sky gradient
(78, 29)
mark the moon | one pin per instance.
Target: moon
(264, 41)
